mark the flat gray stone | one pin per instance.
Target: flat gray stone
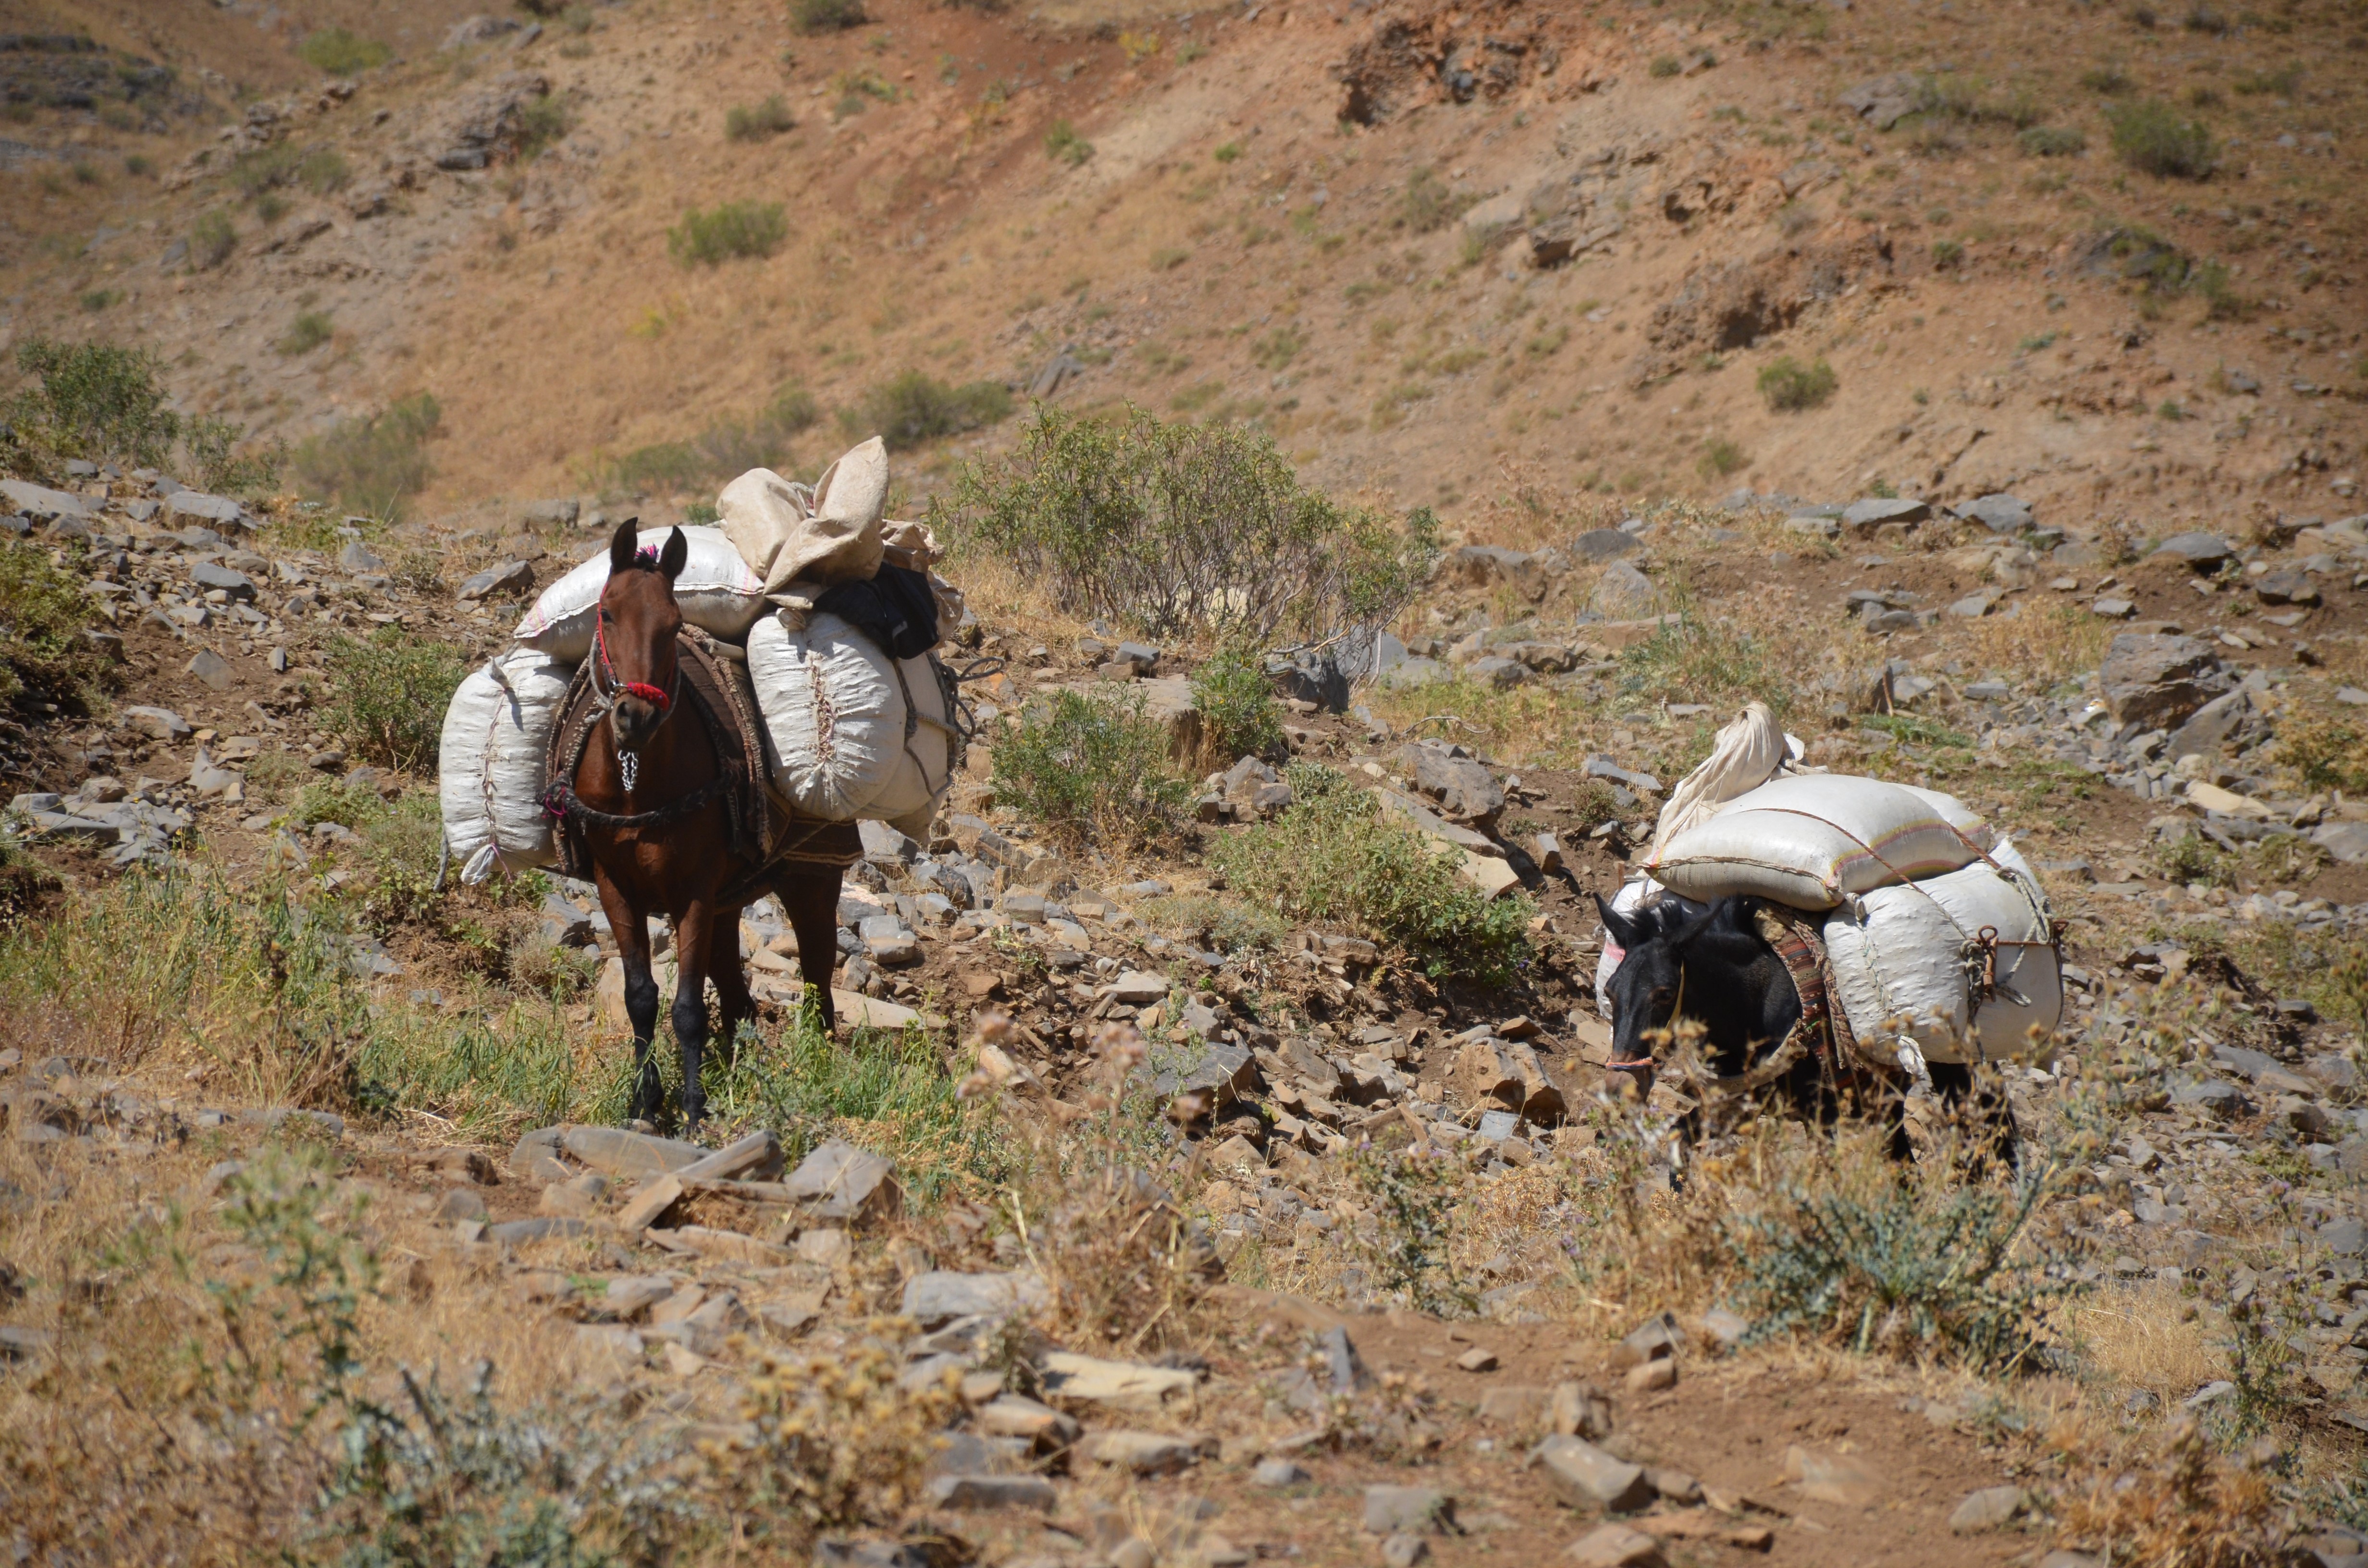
(41, 503)
(1865, 516)
(2345, 1237)
(940, 1295)
(2197, 548)
(196, 505)
(1998, 512)
(982, 1493)
(509, 577)
(156, 724)
(211, 669)
(542, 1228)
(237, 584)
(1605, 544)
(2347, 841)
(1992, 1507)
(839, 1181)
(621, 1151)
(1407, 1510)
(1586, 1477)
(2159, 679)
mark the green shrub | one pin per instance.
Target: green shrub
(1063, 145)
(745, 124)
(1239, 716)
(1791, 386)
(212, 239)
(2052, 140)
(1418, 1201)
(94, 401)
(311, 330)
(2279, 82)
(337, 52)
(1186, 529)
(826, 16)
(1332, 857)
(732, 229)
(1664, 66)
(1090, 769)
(43, 614)
(916, 408)
(1428, 205)
(2152, 137)
(1720, 458)
(542, 121)
(324, 169)
(1947, 254)
(372, 463)
(387, 695)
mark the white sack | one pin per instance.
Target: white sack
(1898, 960)
(717, 592)
(1635, 894)
(924, 770)
(1811, 839)
(490, 763)
(837, 537)
(834, 714)
(1747, 755)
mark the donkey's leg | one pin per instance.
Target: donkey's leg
(632, 933)
(810, 895)
(694, 948)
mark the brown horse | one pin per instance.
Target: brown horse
(648, 799)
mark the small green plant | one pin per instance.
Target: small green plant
(1947, 254)
(1091, 769)
(311, 329)
(1276, 349)
(323, 170)
(97, 299)
(2151, 137)
(742, 122)
(1664, 66)
(337, 52)
(1227, 151)
(1720, 458)
(1417, 1196)
(811, 17)
(2191, 859)
(1333, 858)
(139, 165)
(1429, 204)
(2110, 80)
(1716, 662)
(372, 463)
(1167, 258)
(541, 123)
(1239, 716)
(1063, 145)
(43, 614)
(2052, 140)
(1789, 386)
(732, 229)
(387, 693)
(916, 408)
(212, 239)
(2279, 82)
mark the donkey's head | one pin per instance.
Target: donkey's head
(1714, 969)
(635, 639)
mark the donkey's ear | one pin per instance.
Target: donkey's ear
(1622, 928)
(676, 553)
(621, 544)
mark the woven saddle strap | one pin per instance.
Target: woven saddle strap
(1802, 947)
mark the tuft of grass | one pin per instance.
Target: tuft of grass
(745, 123)
(337, 52)
(1332, 857)
(2191, 858)
(728, 230)
(1720, 458)
(1947, 254)
(1428, 205)
(1227, 153)
(1789, 386)
(1090, 769)
(1664, 66)
(542, 121)
(811, 17)
(2324, 753)
(2153, 138)
(387, 695)
(2110, 80)
(212, 239)
(916, 408)
(310, 329)
(372, 463)
(2279, 82)
(2052, 140)
(1239, 715)
(1063, 145)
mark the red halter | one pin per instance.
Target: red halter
(650, 694)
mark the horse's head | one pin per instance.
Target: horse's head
(1675, 968)
(635, 642)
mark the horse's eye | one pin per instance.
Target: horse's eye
(1661, 997)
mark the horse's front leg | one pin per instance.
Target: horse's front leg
(631, 930)
(694, 955)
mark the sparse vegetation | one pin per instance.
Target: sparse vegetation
(1183, 527)
(2151, 137)
(1063, 145)
(811, 17)
(1333, 858)
(337, 52)
(1090, 769)
(2052, 141)
(726, 448)
(310, 329)
(1429, 204)
(387, 695)
(212, 239)
(729, 230)
(1239, 715)
(914, 408)
(745, 123)
(1947, 254)
(372, 463)
(1789, 386)
(43, 614)
(99, 403)
(1721, 457)
(1664, 66)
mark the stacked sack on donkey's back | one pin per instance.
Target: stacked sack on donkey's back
(835, 614)
(1938, 935)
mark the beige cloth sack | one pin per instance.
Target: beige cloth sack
(838, 541)
(1747, 754)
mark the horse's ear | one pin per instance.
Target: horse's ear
(1622, 928)
(621, 544)
(675, 556)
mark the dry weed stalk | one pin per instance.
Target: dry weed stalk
(2180, 1506)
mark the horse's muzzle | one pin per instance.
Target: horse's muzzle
(635, 721)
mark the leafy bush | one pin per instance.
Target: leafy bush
(1947, 254)
(1900, 1268)
(826, 16)
(542, 121)
(337, 52)
(212, 239)
(1720, 458)
(732, 229)
(1333, 858)
(1428, 205)
(309, 329)
(2279, 82)
(2325, 753)
(745, 124)
(725, 449)
(374, 463)
(1090, 767)
(1664, 66)
(1179, 527)
(2152, 137)
(1063, 145)
(43, 614)
(1239, 716)
(1791, 386)
(388, 695)
(103, 403)
(916, 408)
(2052, 140)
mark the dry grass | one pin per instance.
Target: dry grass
(2050, 640)
(2139, 1337)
